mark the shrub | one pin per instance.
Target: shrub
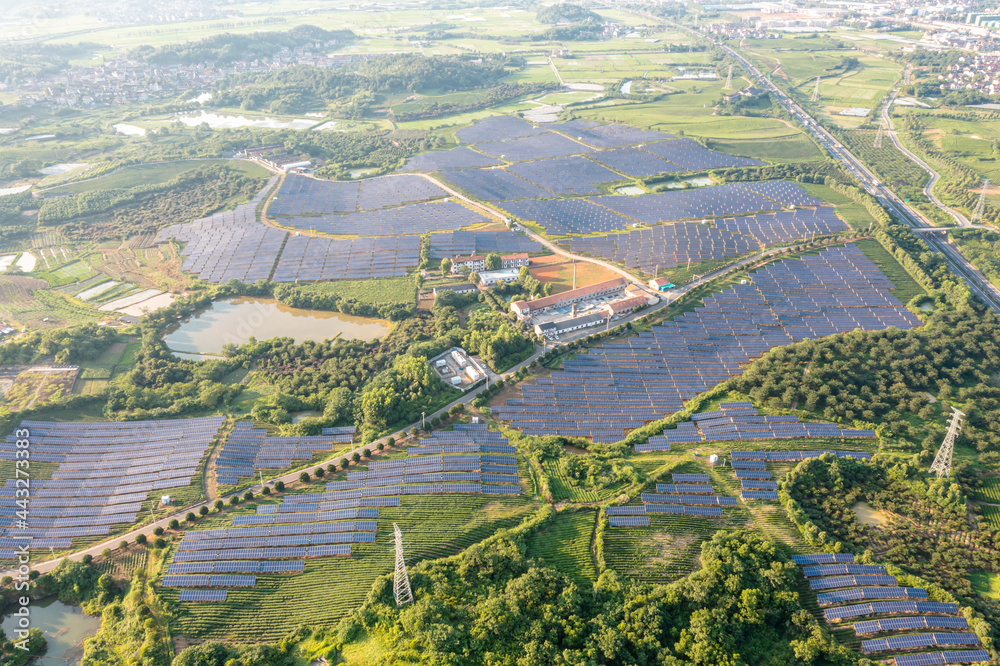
(219, 505)
(87, 559)
(319, 472)
(390, 442)
(173, 524)
(279, 486)
(234, 500)
(304, 477)
(265, 490)
(123, 544)
(344, 463)
(248, 495)
(158, 531)
(436, 421)
(141, 539)
(6, 580)
(355, 457)
(160, 542)
(367, 453)
(331, 468)
(34, 574)
(106, 552)
(203, 511)
(190, 517)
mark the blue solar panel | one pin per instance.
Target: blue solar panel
(202, 595)
(628, 521)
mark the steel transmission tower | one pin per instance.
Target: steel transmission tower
(942, 461)
(977, 216)
(729, 79)
(401, 585)
(877, 143)
(815, 95)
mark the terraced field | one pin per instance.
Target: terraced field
(563, 488)
(564, 545)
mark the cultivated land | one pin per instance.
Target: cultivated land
(764, 202)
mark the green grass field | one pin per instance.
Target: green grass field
(986, 584)
(906, 287)
(150, 174)
(792, 149)
(67, 274)
(564, 544)
(378, 290)
(563, 488)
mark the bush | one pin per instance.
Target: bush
(248, 495)
(203, 511)
(304, 477)
(87, 559)
(160, 543)
(331, 468)
(190, 517)
(265, 490)
(319, 472)
(344, 463)
(355, 457)
(106, 552)
(6, 580)
(173, 524)
(234, 500)
(279, 486)
(219, 505)
(158, 531)
(141, 539)
(123, 544)
(390, 442)
(34, 574)
(436, 421)
(367, 453)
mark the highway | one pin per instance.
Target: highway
(869, 181)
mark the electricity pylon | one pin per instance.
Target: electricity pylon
(977, 216)
(729, 79)
(815, 95)
(401, 585)
(877, 143)
(942, 461)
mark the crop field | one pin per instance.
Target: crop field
(891, 165)
(158, 266)
(34, 388)
(563, 488)
(151, 174)
(123, 563)
(794, 149)
(26, 301)
(607, 67)
(378, 290)
(906, 286)
(564, 544)
(433, 526)
(559, 272)
(990, 492)
(991, 514)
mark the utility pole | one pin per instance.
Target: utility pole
(942, 461)
(401, 583)
(977, 216)
(423, 422)
(815, 95)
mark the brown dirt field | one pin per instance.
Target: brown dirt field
(559, 271)
(34, 388)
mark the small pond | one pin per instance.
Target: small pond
(237, 320)
(65, 627)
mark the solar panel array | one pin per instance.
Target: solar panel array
(688, 495)
(496, 128)
(302, 195)
(232, 245)
(456, 158)
(625, 384)
(202, 595)
(628, 521)
(454, 243)
(248, 449)
(568, 216)
(536, 147)
(606, 136)
(692, 156)
(793, 456)
(903, 623)
(635, 162)
(746, 423)
(703, 202)
(870, 582)
(306, 258)
(565, 175)
(106, 470)
(409, 219)
(494, 184)
(954, 657)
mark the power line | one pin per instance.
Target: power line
(815, 95)
(942, 461)
(729, 79)
(401, 584)
(977, 216)
(877, 143)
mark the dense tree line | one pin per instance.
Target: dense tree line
(352, 93)
(492, 337)
(982, 248)
(19, 61)
(66, 345)
(880, 376)
(566, 11)
(493, 605)
(383, 150)
(227, 48)
(148, 208)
